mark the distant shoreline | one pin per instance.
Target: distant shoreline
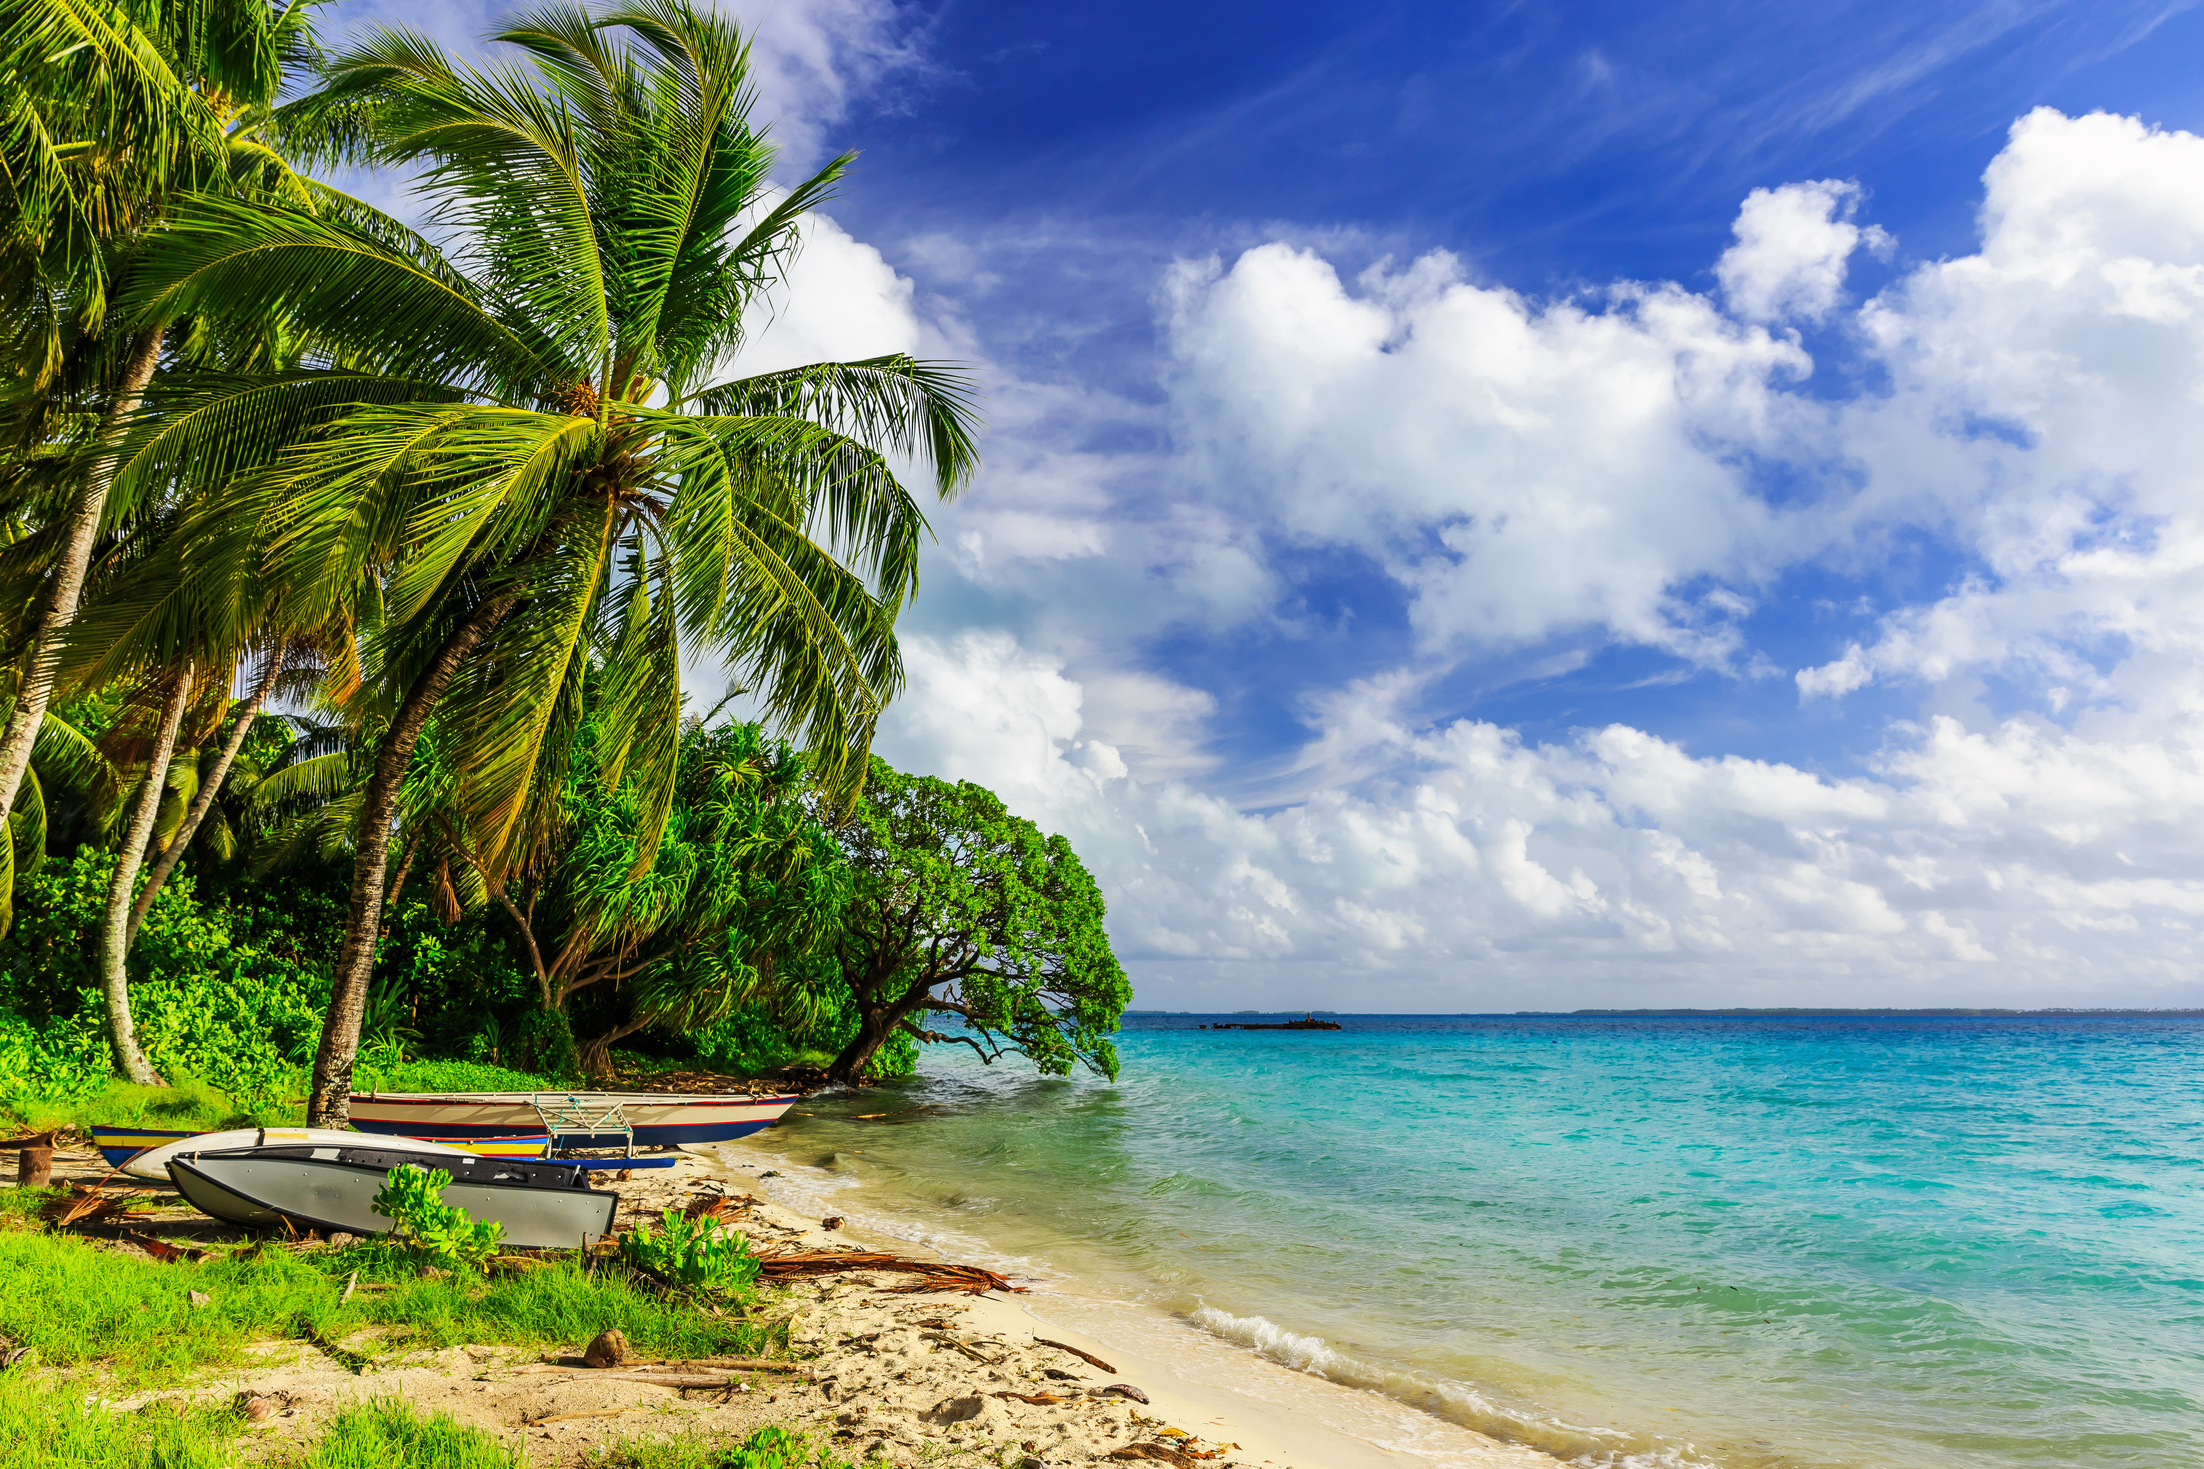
(1782, 1013)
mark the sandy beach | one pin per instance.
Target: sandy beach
(881, 1373)
(1222, 1392)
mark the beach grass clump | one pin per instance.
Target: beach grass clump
(448, 1076)
(54, 1426)
(387, 1434)
(767, 1448)
(77, 1304)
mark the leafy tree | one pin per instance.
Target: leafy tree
(962, 909)
(508, 458)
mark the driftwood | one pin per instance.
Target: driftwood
(1037, 1397)
(807, 1264)
(682, 1379)
(1088, 1357)
(570, 1417)
(704, 1364)
(161, 1249)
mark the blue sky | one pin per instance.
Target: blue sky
(1507, 506)
(1549, 147)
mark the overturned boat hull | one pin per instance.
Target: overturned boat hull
(543, 1206)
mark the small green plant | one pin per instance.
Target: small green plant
(770, 1447)
(387, 1434)
(697, 1253)
(443, 1234)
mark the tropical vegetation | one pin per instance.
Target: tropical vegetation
(352, 573)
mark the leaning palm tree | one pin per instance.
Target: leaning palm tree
(520, 453)
(109, 111)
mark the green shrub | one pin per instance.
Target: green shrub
(697, 1253)
(207, 1005)
(61, 1062)
(547, 1046)
(442, 1234)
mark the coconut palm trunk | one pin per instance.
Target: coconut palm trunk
(329, 1102)
(114, 925)
(37, 686)
(203, 801)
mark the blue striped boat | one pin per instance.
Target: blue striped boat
(118, 1145)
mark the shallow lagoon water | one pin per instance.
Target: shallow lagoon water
(1750, 1243)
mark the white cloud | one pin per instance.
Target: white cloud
(809, 58)
(1793, 246)
(840, 300)
(1523, 469)
(2022, 866)
(2046, 396)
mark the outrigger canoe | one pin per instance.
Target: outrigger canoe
(572, 1119)
(542, 1206)
(153, 1162)
(118, 1145)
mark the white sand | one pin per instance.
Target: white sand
(894, 1377)
(1194, 1382)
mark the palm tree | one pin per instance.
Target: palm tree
(108, 112)
(516, 455)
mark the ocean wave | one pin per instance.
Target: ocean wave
(1269, 1339)
(1589, 1448)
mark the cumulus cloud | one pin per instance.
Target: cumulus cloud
(2024, 864)
(1794, 244)
(2045, 400)
(810, 58)
(1525, 469)
(840, 300)
(1521, 468)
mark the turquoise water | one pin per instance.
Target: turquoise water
(1744, 1243)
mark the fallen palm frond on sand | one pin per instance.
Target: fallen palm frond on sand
(935, 1276)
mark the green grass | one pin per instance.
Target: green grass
(386, 1434)
(768, 1448)
(46, 1426)
(53, 1427)
(77, 1304)
(191, 1106)
(449, 1076)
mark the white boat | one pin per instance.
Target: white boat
(153, 1162)
(573, 1119)
(543, 1206)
